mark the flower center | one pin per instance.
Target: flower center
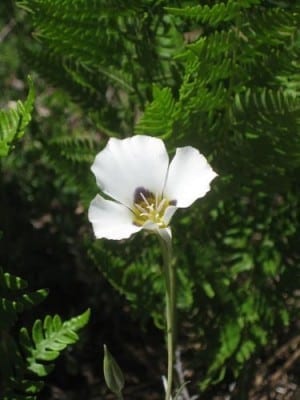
(149, 208)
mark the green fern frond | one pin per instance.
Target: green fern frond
(115, 76)
(48, 339)
(23, 389)
(104, 49)
(157, 119)
(214, 15)
(13, 298)
(69, 11)
(273, 26)
(245, 351)
(210, 48)
(13, 122)
(265, 101)
(77, 148)
(229, 339)
(9, 281)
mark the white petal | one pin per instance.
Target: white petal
(111, 220)
(128, 164)
(169, 214)
(166, 235)
(189, 177)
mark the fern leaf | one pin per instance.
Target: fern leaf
(26, 386)
(218, 13)
(31, 299)
(48, 339)
(157, 119)
(210, 48)
(9, 281)
(245, 351)
(229, 340)
(13, 300)
(266, 100)
(13, 122)
(77, 148)
(258, 29)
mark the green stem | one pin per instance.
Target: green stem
(170, 281)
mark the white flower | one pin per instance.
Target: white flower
(145, 189)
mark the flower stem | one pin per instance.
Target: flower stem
(170, 281)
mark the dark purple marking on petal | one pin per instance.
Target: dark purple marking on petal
(141, 193)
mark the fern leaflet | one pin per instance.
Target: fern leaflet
(14, 121)
(48, 339)
(13, 301)
(157, 119)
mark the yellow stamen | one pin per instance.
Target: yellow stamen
(149, 208)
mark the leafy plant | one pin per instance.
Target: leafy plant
(13, 122)
(20, 361)
(223, 77)
(49, 338)
(23, 360)
(14, 300)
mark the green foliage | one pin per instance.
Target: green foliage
(14, 298)
(252, 279)
(49, 338)
(224, 77)
(70, 156)
(24, 360)
(133, 275)
(98, 51)
(236, 104)
(19, 361)
(162, 107)
(13, 122)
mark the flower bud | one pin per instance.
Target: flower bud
(113, 375)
